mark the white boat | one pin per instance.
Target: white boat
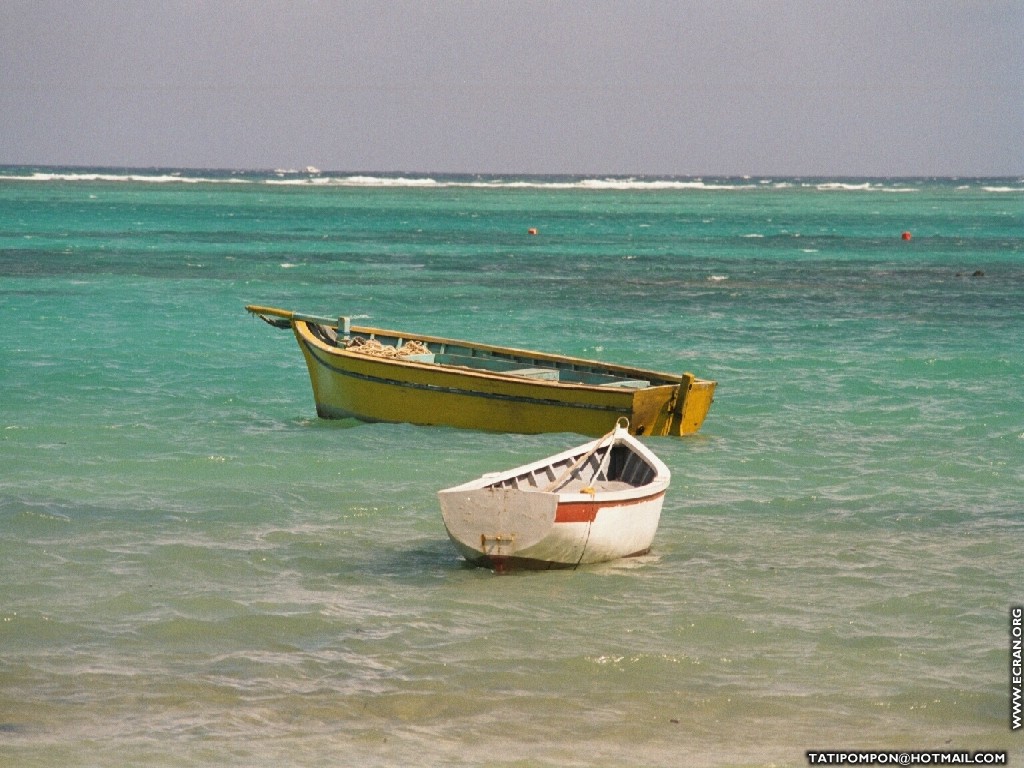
(597, 502)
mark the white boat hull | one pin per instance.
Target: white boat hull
(509, 520)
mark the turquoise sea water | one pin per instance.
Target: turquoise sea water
(195, 570)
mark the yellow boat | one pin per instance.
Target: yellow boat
(373, 374)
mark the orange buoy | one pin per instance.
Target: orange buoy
(906, 236)
(531, 231)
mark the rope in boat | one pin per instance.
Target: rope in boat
(362, 345)
(376, 349)
(579, 463)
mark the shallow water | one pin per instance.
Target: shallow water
(197, 570)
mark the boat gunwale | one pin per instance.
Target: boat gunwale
(657, 379)
(296, 318)
(655, 487)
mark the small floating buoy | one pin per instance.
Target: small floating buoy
(531, 231)
(906, 236)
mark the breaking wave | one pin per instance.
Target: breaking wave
(313, 177)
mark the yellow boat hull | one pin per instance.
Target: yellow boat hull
(351, 384)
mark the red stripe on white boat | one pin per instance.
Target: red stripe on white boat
(586, 511)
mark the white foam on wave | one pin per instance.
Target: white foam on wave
(387, 181)
(305, 178)
(588, 183)
(841, 185)
(353, 181)
(172, 178)
(655, 184)
(865, 186)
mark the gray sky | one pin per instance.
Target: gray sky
(791, 87)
